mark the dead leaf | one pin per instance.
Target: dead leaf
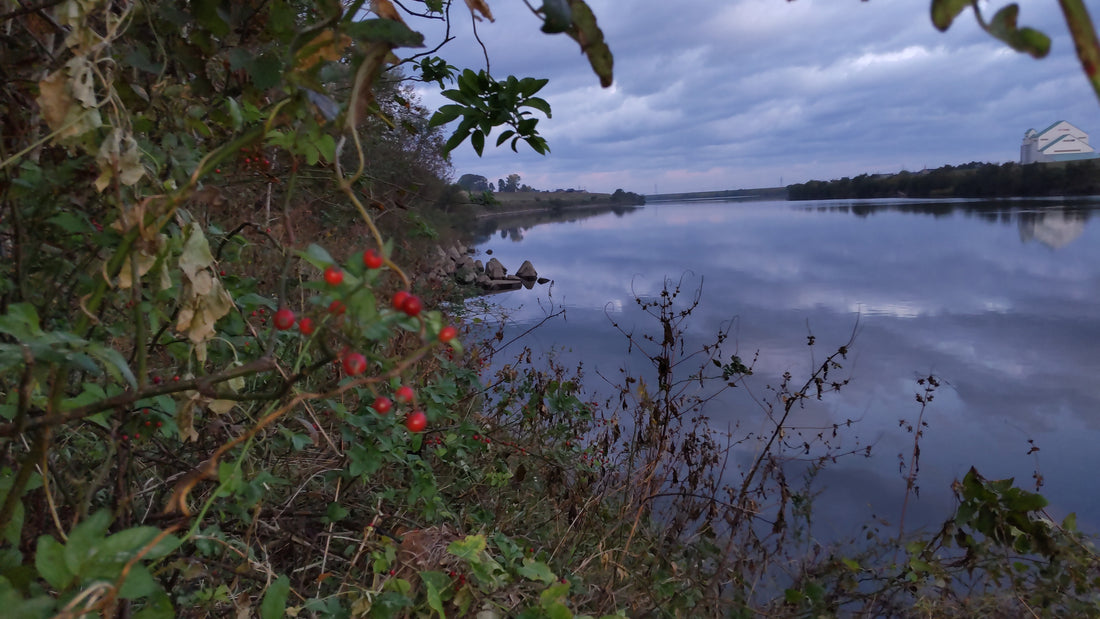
(479, 6)
(385, 10)
(203, 300)
(119, 154)
(58, 101)
(185, 418)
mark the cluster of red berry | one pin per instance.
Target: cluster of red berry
(251, 160)
(147, 422)
(354, 363)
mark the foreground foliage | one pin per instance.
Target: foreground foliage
(222, 394)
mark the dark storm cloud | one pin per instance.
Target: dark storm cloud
(739, 94)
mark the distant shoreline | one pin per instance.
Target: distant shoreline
(740, 195)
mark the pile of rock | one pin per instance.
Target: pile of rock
(457, 262)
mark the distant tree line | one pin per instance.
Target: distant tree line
(970, 180)
(475, 183)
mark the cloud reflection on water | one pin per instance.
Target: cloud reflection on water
(959, 289)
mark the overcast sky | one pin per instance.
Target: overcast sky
(712, 95)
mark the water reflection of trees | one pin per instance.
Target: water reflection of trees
(513, 225)
(1054, 224)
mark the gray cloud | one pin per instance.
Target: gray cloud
(726, 95)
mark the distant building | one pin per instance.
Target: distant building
(1058, 142)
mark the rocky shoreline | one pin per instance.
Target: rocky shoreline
(457, 263)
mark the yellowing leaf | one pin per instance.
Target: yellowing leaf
(324, 46)
(479, 6)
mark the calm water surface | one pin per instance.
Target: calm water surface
(1000, 301)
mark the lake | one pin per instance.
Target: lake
(1000, 301)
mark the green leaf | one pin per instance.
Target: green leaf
(386, 31)
(529, 85)
(49, 560)
(14, 530)
(537, 570)
(273, 605)
(477, 140)
(539, 104)
(445, 114)
(159, 606)
(20, 322)
(336, 512)
(209, 17)
(553, 593)
(945, 11)
(588, 34)
(1028, 40)
(438, 585)
(70, 223)
(236, 119)
(557, 16)
(84, 541)
(266, 71)
(139, 583)
(114, 362)
(317, 256)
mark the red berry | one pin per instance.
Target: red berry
(305, 325)
(176, 378)
(416, 421)
(156, 380)
(382, 404)
(372, 260)
(399, 299)
(284, 319)
(334, 276)
(412, 305)
(355, 364)
(337, 307)
(447, 334)
(404, 394)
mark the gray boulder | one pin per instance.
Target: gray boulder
(527, 271)
(495, 270)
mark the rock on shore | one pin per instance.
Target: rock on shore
(457, 263)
